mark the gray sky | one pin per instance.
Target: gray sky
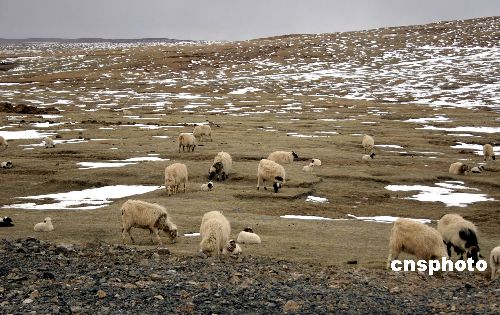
(222, 19)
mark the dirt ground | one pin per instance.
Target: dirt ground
(350, 186)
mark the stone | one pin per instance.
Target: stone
(291, 307)
(101, 294)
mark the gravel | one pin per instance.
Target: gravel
(39, 277)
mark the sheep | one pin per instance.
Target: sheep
(222, 166)
(368, 143)
(460, 234)
(202, 130)
(232, 249)
(145, 215)
(477, 169)
(415, 238)
(283, 157)
(247, 236)
(6, 164)
(308, 168)
(186, 140)
(207, 187)
(6, 222)
(49, 143)
(45, 226)
(488, 152)
(316, 162)
(495, 263)
(214, 231)
(270, 171)
(175, 174)
(458, 168)
(3, 144)
(368, 157)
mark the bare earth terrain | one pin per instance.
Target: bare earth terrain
(429, 95)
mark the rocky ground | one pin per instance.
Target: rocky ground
(45, 278)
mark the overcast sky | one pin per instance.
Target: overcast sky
(222, 19)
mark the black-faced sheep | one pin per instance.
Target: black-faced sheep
(6, 222)
(488, 152)
(202, 130)
(207, 187)
(316, 162)
(6, 164)
(458, 168)
(45, 226)
(214, 231)
(49, 143)
(367, 158)
(186, 140)
(270, 171)
(460, 234)
(415, 238)
(283, 157)
(477, 169)
(308, 168)
(145, 215)
(232, 249)
(495, 263)
(247, 236)
(3, 143)
(175, 175)
(221, 167)
(368, 143)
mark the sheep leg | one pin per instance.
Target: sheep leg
(258, 182)
(264, 184)
(127, 231)
(393, 254)
(184, 186)
(448, 249)
(154, 232)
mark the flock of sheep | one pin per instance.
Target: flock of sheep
(407, 235)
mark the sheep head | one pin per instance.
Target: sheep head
(295, 156)
(248, 229)
(215, 169)
(276, 186)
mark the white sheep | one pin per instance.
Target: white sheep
(368, 143)
(232, 249)
(283, 157)
(458, 168)
(145, 215)
(477, 169)
(367, 158)
(6, 164)
(3, 143)
(308, 168)
(460, 234)
(270, 171)
(48, 141)
(175, 175)
(202, 130)
(247, 236)
(495, 263)
(316, 162)
(415, 238)
(488, 152)
(207, 187)
(45, 226)
(222, 166)
(186, 140)
(214, 231)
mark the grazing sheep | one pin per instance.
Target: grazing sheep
(145, 215)
(458, 168)
(367, 158)
(247, 236)
(49, 143)
(45, 226)
(222, 166)
(6, 164)
(316, 162)
(207, 187)
(214, 231)
(202, 130)
(283, 157)
(175, 175)
(415, 238)
(270, 171)
(495, 262)
(477, 169)
(368, 143)
(232, 249)
(308, 168)
(460, 234)
(6, 222)
(3, 143)
(186, 140)
(488, 152)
